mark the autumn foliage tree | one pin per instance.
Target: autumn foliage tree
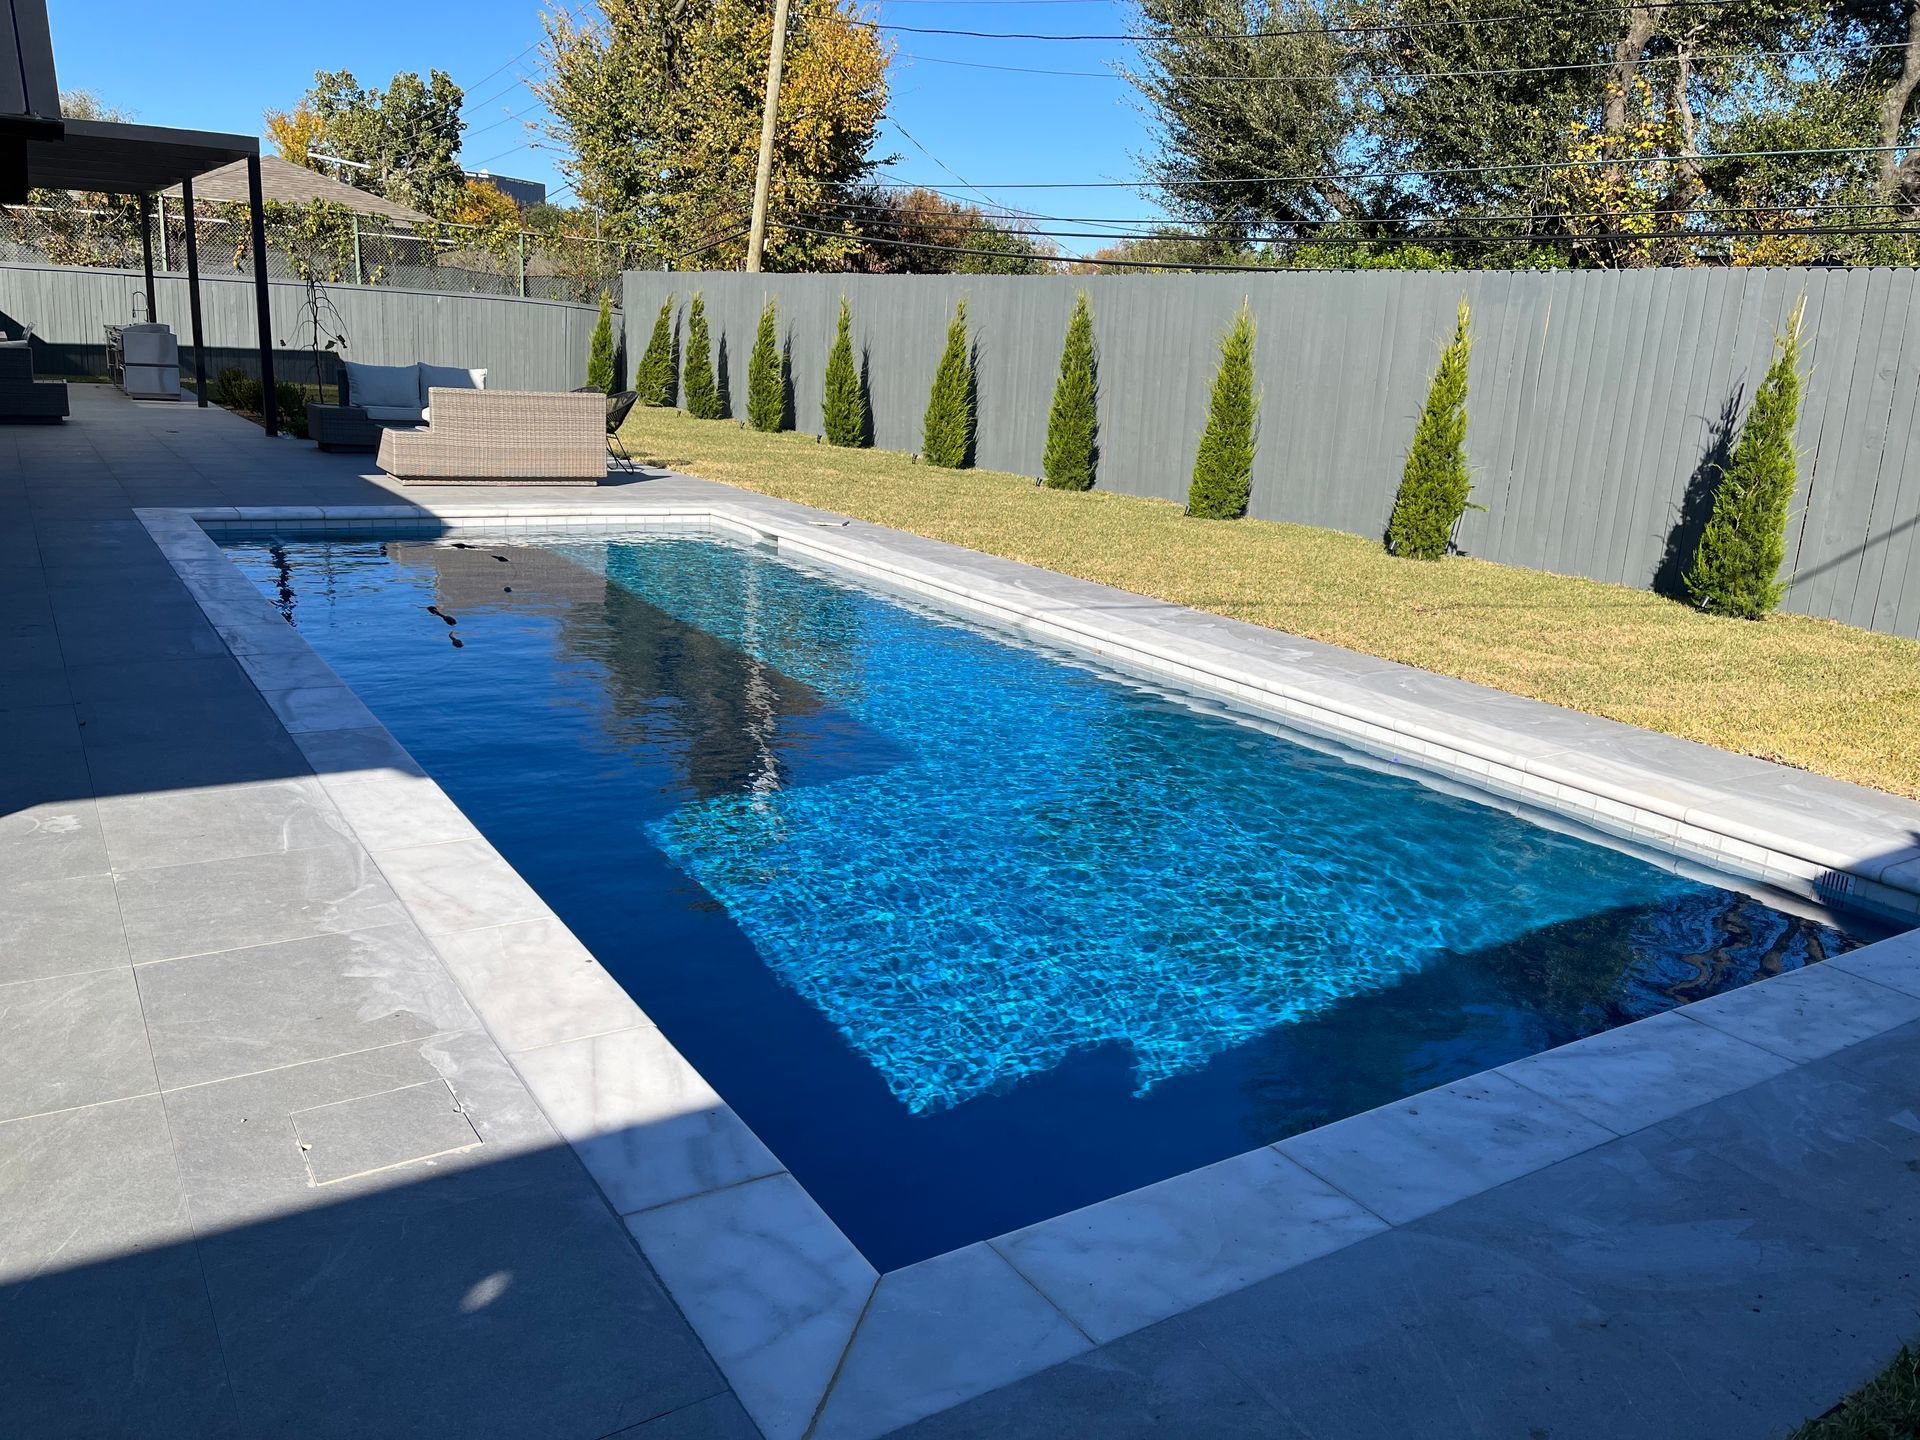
(658, 108)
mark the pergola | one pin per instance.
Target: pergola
(39, 149)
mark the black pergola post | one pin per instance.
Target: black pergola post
(262, 298)
(193, 295)
(146, 247)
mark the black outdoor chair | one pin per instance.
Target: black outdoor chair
(619, 403)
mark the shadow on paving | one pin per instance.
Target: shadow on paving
(493, 1297)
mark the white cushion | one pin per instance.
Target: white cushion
(449, 377)
(383, 386)
(392, 414)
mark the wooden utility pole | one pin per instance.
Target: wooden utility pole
(757, 239)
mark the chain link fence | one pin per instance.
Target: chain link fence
(324, 242)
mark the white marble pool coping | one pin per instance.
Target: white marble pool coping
(814, 1341)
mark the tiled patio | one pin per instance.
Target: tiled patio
(238, 1196)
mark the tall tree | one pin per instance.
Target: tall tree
(657, 105)
(1736, 570)
(843, 409)
(1073, 423)
(922, 232)
(1437, 480)
(699, 385)
(947, 429)
(1241, 89)
(767, 376)
(1223, 468)
(403, 142)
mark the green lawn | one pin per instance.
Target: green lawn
(1809, 693)
(1887, 1407)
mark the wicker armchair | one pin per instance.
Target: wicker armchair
(502, 437)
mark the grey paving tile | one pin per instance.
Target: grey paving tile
(212, 905)
(349, 1138)
(1835, 1137)
(522, 1312)
(462, 885)
(195, 757)
(1124, 1263)
(1643, 1073)
(1894, 963)
(1418, 1155)
(71, 1040)
(135, 631)
(59, 927)
(389, 811)
(52, 841)
(105, 1326)
(535, 984)
(223, 822)
(718, 1417)
(1139, 1388)
(646, 1125)
(345, 753)
(772, 1286)
(1808, 1014)
(240, 1011)
(940, 1332)
(239, 1151)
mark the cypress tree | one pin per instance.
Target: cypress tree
(701, 391)
(947, 432)
(1223, 469)
(766, 379)
(1736, 570)
(1073, 425)
(1435, 485)
(842, 414)
(600, 349)
(659, 365)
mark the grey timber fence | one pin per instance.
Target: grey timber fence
(1601, 401)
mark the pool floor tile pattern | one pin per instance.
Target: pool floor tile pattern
(506, 1246)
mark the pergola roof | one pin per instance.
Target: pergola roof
(130, 159)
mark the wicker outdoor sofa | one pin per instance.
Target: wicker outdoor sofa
(502, 437)
(24, 399)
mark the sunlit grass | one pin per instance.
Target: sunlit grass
(1810, 693)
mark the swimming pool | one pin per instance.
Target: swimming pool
(972, 934)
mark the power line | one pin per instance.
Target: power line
(498, 68)
(1001, 254)
(1299, 32)
(1170, 229)
(1624, 237)
(1624, 161)
(1176, 75)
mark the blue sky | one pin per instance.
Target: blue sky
(220, 65)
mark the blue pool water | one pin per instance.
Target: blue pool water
(969, 933)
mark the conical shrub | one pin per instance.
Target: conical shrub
(1073, 424)
(701, 390)
(600, 360)
(766, 377)
(947, 432)
(654, 380)
(1436, 482)
(843, 410)
(1736, 570)
(1223, 468)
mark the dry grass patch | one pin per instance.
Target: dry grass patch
(1811, 693)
